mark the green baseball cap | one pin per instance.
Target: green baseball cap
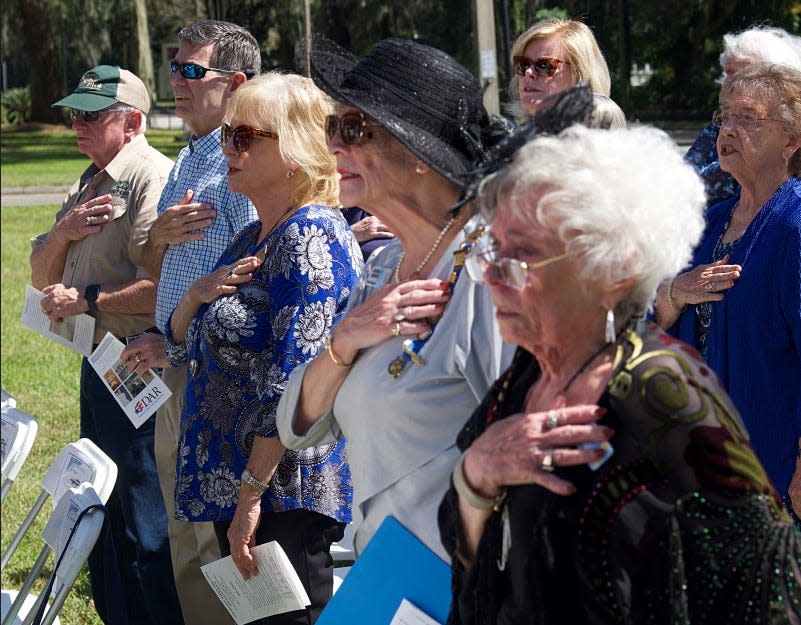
(105, 85)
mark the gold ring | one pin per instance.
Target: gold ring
(547, 461)
(396, 328)
(138, 360)
(708, 287)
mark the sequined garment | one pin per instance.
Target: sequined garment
(240, 350)
(679, 526)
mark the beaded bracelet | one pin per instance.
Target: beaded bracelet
(472, 497)
(670, 299)
(333, 356)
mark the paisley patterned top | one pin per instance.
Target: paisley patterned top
(241, 349)
(680, 525)
(703, 156)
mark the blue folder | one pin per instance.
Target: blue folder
(395, 565)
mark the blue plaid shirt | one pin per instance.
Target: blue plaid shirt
(202, 167)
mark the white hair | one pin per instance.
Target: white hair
(606, 113)
(762, 44)
(623, 201)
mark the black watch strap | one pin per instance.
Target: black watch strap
(90, 294)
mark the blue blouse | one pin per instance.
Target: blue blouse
(241, 349)
(754, 339)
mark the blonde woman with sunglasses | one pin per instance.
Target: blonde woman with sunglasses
(551, 56)
(267, 307)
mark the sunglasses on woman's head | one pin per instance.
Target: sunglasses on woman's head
(243, 136)
(544, 66)
(92, 116)
(350, 126)
(193, 71)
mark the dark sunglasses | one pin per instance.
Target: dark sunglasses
(350, 126)
(243, 136)
(193, 71)
(92, 116)
(544, 66)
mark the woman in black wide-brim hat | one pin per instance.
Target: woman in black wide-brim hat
(419, 345)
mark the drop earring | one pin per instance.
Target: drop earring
(609, 331)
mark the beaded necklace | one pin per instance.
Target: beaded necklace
(428, 256)
(703, 310)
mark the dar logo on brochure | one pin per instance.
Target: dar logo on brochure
(151, 395)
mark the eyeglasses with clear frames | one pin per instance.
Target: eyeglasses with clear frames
(512, 272)
(746, 121)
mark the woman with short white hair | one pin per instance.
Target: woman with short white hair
(759, 44)
(606, 477)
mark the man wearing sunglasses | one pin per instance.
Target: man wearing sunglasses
(198, 216)
(91, 262)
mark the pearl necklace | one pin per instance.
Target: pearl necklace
(428, 256)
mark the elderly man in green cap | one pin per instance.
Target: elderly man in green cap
(91, 262)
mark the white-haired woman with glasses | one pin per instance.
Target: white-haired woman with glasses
(278, 288)
(606, 478)
(552, 56)
(418, 346)
(740, 301)
(758, 44)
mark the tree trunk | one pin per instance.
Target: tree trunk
(40, 45)
(144, 56)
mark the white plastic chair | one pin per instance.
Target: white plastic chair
(8, 401)
(70, 536)
(18, 433)
(342, 550)
(340, 573)
(78, 462)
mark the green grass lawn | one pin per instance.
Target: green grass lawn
(31, 158)
(43, 378)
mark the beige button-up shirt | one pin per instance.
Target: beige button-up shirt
(135, 177)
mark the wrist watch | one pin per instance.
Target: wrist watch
(90, 294)
(247, 478)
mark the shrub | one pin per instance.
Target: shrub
(16, 105)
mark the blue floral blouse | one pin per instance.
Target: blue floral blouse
(240, 350)
(703, 156)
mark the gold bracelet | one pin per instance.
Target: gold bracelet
(473, 499)
(330, 350)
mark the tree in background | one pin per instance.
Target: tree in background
(54, 41)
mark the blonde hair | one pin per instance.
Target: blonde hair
(295, 109)
(580, 50)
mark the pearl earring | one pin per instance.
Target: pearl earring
(609, 331)
(419, 169)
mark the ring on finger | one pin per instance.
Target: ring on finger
(88, 220)
(708, 287)
(138, 359)
(399, 315)
(547, 461)
(552, 420)
(396, 328)
(232, 272)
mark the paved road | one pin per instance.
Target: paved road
(32, 196)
